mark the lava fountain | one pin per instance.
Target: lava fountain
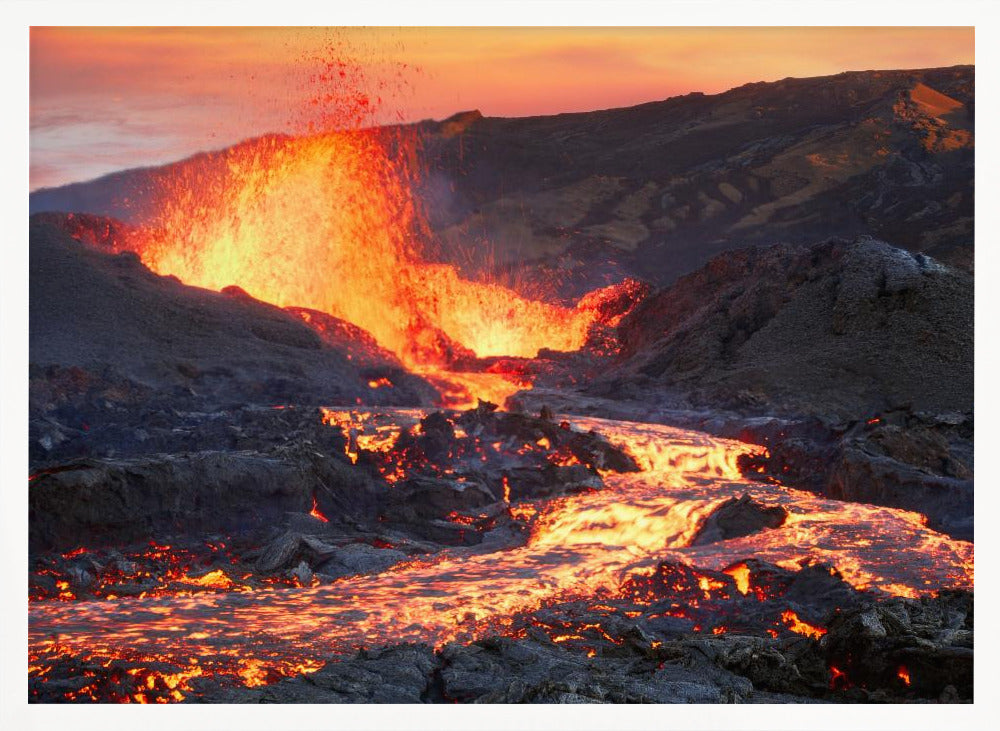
(328, 222)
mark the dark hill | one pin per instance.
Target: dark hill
(106, 319)
(655, 190)
(842, 329)
(660, 188)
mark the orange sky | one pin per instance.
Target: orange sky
(104, 99)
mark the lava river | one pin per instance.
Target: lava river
(579, 546)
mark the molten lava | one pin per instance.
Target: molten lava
(329, 222)
(741, 574)
(314, 512)
(798, 626)
(582, 546)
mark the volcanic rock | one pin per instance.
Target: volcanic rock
(587, 448)
(501, 670)
(863, 477)
(358, 558)
(498, 670)
(921, 647)
(302, 574)
(738, 517)
(841, 329)
(99, 424)
(530, 483)
(791, 666)
(498, 456)
(279, 553)
(107, 501)
(904, 459)
(425, 507)
(105, 313)
(400, 674)
(434, 440)
(423, 497)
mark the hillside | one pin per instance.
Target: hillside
(105, 323)
(655, 190)
(841, 328)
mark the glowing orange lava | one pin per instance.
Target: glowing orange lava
(741, 574)
(328, 222)
(791, 619)
(215, 579)
(314, 512)
(579, 546)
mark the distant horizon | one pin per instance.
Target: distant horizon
(221, 147)
(93, 115)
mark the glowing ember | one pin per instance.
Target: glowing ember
(791, 619)
(707, 585)
(216, 579)
(154, 570)
(903, 674)
(741, 574)
(838, 679)
(253, 672)
(315, 512)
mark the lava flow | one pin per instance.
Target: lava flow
(587, 546)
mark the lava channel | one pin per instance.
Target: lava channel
(580, 546)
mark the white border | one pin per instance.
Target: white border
(20, 14)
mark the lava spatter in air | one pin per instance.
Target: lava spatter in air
(328, 220)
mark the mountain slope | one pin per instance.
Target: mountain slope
(656, 190)
(662, 187)
(841, 329)
(109, 317)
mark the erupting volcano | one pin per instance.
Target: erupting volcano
(329, 223)
(285, 448)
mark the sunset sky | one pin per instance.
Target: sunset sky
(104, 99)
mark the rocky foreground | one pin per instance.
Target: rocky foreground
(171, 457)
(434, 502)
(229, 525)
(630, 665)
(193, 449)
